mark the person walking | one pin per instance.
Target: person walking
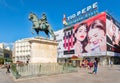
(111, 63)
(95, 66)
(8, 68)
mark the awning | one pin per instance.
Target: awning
(75, 58)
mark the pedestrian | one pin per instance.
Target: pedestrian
(8, 68)
(95, 64)
(111, 63)
(90, 65)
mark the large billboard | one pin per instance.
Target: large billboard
(87, 38)
(96, 36)
(113, 36)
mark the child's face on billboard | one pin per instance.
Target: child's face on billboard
(95, 35)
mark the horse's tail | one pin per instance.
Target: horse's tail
(32, 31)
(51, 31)
(53, 35)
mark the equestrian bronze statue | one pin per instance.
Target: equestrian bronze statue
(41, 25)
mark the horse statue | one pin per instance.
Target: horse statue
(41, 25)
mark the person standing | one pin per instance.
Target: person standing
(95, 66)
(111, 63)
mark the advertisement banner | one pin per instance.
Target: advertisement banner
(87, 38)
(113, 35)
(68, 41)
(85, 13)
(96, 36)
(90, 36)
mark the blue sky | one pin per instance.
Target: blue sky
(14, 23)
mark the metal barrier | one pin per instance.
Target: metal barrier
(14, 71)
(31, 70)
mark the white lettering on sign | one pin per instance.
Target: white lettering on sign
(78, 13)
(71, 17)
(88, 8)
(83, 11)
(95, 5)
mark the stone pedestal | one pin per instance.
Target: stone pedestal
(43, 51)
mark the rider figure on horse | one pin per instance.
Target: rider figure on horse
(44, 22)
(41, 24)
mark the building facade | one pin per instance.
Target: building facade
(5, 54)
(97, 36)
(1, 53)
(21, 50)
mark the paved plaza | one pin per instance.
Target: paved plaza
(104, 75)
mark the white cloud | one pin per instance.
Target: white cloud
(8, 44)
